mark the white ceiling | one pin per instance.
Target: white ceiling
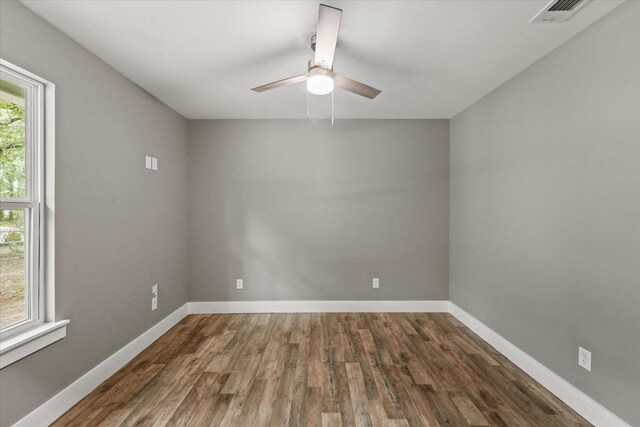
(431, 59)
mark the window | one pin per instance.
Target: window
(20, 202)
(26, 217)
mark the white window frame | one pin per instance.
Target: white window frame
(40, 328)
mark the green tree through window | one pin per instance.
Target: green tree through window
(12, 150)
(12, 185)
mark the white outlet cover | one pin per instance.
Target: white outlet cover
(154, 290)
(154, 163)
(154, 303)
(584, 358)
(239, 284)
(147, 162)
(376, 283)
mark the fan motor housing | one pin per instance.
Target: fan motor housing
(317, 70)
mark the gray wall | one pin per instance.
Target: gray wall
(304, 210)
(120, 228)
(545, 210)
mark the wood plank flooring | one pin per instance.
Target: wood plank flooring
(325, 369)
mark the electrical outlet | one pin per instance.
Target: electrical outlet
(239, 284)
(376, 283)
(154, 163)
(584, 358)
(154, 297)
(147, 162)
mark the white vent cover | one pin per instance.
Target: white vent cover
(558, 11)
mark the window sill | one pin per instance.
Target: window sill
(22, 345)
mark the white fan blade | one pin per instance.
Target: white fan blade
(280, 83)
(327, 35)
(356, 87)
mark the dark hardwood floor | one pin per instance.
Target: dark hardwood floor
(351, 369)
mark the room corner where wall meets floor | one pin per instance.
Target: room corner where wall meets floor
(291, 318)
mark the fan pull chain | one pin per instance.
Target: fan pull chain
(332, 107)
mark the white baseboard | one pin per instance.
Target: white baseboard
(64, 400)
(318, 307)
(591, 410)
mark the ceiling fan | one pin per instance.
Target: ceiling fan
(320, 77)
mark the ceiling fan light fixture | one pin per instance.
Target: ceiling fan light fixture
(319, 84)
(319, 77)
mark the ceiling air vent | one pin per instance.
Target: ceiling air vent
(558, 11)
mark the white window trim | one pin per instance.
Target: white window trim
(17, 344)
